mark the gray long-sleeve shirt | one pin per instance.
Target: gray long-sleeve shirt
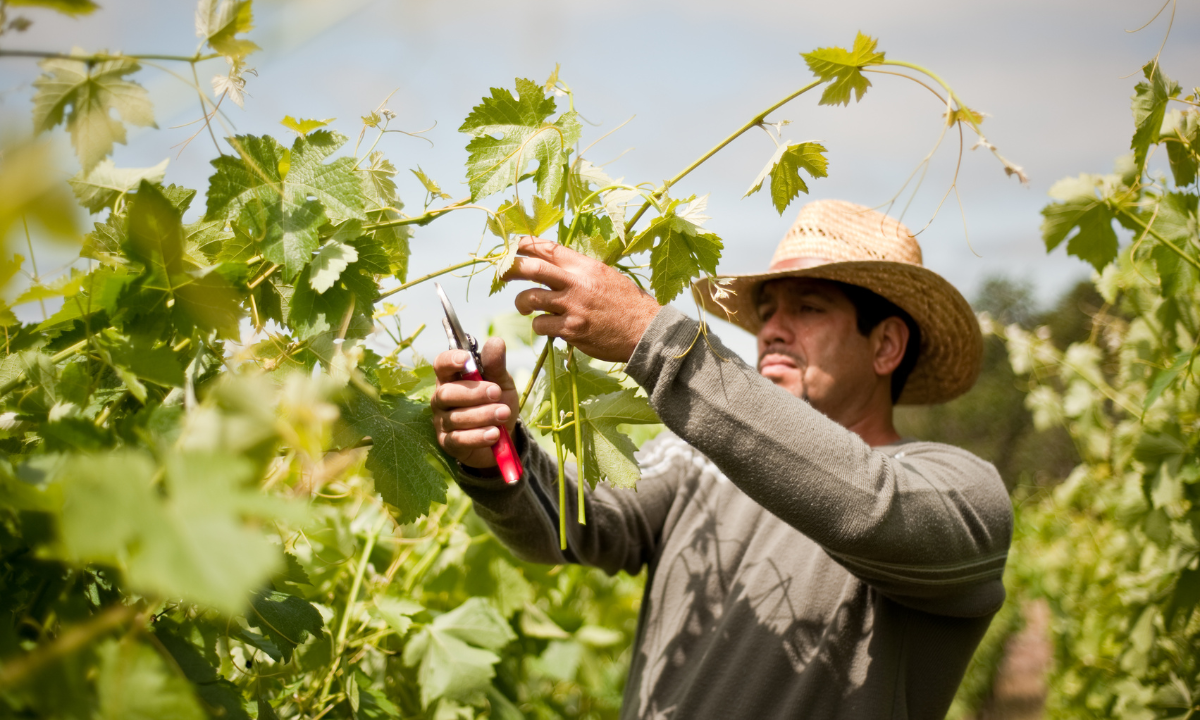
(794, 571)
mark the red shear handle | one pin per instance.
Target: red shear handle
(504, 450)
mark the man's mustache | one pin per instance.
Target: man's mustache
(780, 350)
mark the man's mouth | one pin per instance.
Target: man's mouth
(776, 362)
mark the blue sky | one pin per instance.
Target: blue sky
(1055, 78)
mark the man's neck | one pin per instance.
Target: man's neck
(876, 429)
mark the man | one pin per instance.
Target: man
(804, 560)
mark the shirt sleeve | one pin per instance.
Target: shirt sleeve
(929, 526)
(623, 528)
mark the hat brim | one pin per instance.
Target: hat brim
(951, 351)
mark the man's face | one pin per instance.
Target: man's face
(810, 345)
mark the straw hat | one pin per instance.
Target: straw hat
(837, 240)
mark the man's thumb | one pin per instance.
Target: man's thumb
(495, 365)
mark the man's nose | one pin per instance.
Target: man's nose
(775, 329)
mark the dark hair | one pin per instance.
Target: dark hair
(871, 309)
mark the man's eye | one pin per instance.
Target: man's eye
(765, 313)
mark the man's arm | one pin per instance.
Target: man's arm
(623, 528)
(930, 528)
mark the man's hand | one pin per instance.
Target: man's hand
(588, 304)
(467, 413)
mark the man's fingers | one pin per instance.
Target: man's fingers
(465, 393)
(549, 251)
(461, 442)
(539, 271)
(495, 363)
(539, 299)
(549, 325)
(449, 363)
(479, 416)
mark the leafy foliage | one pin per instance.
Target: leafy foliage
(216, 500)
(1113, 549)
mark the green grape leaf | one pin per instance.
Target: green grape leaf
(379, 185)
(104, 242)
(1083, 217)
(202, 296)
(591, 380)
(285, 209)
(286, 619)
(138, 355)
(517, 221)
(596, 237)
(525, 135)
(100, 188)
(512, 590)
(66, 286)
(1181, 135)
(431, 185)
(784, 168)
(1149, 105)
(133, 683)
(408, 466)
(189, 542)
(842, 69)
(218, 24)
(293, 573)
(478, 622)
(608, 452)
(449, 666)
(680, 252)
(265, 711)
(396, 613)
(92, 94)
(1164, 378)
(1185, 597)
(302, 126)
(327, 266)
(66, 7)
(204, 241)
(380, 190)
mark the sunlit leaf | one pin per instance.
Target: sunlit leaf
(85, 98)
(525, 135)
(842, 69)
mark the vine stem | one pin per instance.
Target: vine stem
(423, 218)
(55, 359)
(339, 645)
(537, 369)
(558, 450)
(101, 57)
(752, 123)
(427, 560)
(431, 276)
(17, 671)
(1150, 229)
(581, 475)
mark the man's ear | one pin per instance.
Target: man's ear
(889, 339)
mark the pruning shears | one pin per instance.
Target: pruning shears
(504, 450)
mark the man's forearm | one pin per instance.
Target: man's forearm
(622, 525)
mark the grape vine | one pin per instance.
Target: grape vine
(217, 500)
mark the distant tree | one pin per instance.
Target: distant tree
(991, 420)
